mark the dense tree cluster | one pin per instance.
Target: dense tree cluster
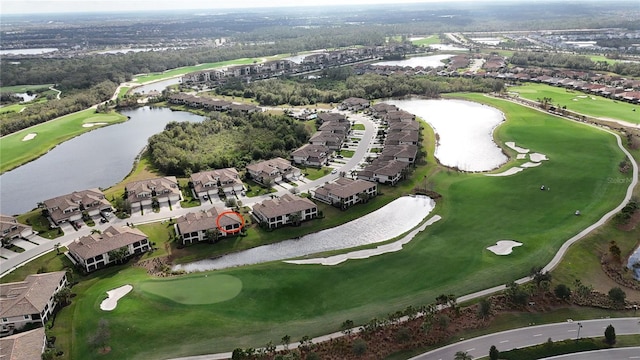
(225, 140)
(570, 61)
(44, 111)
(296, 91)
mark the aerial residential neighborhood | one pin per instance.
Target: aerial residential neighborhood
(348, 180)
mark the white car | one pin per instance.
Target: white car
(334, 171)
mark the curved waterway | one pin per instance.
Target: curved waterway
(465, 131)
(99, 158)
(433, 61)
(392, 220)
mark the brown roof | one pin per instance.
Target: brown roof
(169, 183)
(57, 205)
(278, 164)
(331, 116)
(310, 150)
(225, 176)
(111, 239)
(27, 345)
(286, 204)
(406, 150)
(204, 220)
(345, 187)
(29, 296)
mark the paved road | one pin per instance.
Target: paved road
(34, 251)
(529, 336)
(609, 354)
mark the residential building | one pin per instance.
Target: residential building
(193, 227)
(345, 192)
(274, 170)
(31, 301)
(69, 208)
(311, 155)
(331, 116)
(208, 183)
(286, 209)
(332, 141)
(28, 345)
(383, 171)
(404, 153)
(12, 229)
(91, 252)
(404, 137)
(141, 193)
(354, 104)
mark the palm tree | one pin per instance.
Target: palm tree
(212, 235)
(119, 255)
(295, 218)
(462, 355)
(63, 297)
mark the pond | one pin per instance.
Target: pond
(634, 259)
(465, 131)
(156, 86)
(433, 61)
(99, 158)
(392, 220)
(37, 51)
(447, 47)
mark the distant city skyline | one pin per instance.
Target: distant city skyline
(75, 6)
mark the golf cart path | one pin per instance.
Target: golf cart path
(479, 294)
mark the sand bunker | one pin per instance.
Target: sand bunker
(512, 145)
(503, 247)
(521, 156)
(513, 170)
(29, 136)
(530, 164)
(113, 296)
(537, 157)
(93, 124)
(363, 254)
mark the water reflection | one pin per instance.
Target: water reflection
(392, 220)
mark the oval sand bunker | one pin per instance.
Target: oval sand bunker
(504, 247)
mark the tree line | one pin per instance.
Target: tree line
(225, 140)
(298, 91)
(40, 112)
(570, 61)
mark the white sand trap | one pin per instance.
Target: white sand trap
(93, 124)
(521, 156)
(113, 296)
(503, 247)
(29, 136)
(513, 170)
(512, 145)
(364, 254)
(530, 164)
(537, 157)
(582, 96)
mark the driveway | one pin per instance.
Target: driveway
(6, 253)
(24, 244)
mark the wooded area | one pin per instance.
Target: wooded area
(225, 140)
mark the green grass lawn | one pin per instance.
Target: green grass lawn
(12, 108)
(278, 298)
(48, 262)
(188, 69)
(123, 91)
(23, 88)
(312, 173)
(15, 152)
(197, 289)
(346, 153)
(596, 58)
(590, 105)
(40, 224)
(427, 40)
(358, 127)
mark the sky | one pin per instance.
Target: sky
(64, 6)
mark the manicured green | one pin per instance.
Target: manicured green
(51, 261)
(315, 173)
(188, 69)
(40, 224)
(15, 152)
(597, 58)
(23, 88)
(357, 127)
(587, 104)
(278, 298)
(426, 41)
(346, 153)
(123, 91)
(12, 108)
(160, 234)
(195, 290)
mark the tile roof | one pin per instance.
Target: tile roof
(57, 205)
(345, 187)
(29, 296)
(112, 238)
(159, 185)
(26, 345)
(286, 204)
(225, 176)
(269, 166)
(204, 220)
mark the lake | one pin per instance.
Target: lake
(392, 220)
(157, 86)
(99, 158)
(433, 61)
(465, 131)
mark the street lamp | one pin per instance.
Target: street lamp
(579, 327)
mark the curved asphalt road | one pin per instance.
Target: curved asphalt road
(529, 336)
(609, 354)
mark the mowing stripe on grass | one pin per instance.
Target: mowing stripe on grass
(199, 290)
